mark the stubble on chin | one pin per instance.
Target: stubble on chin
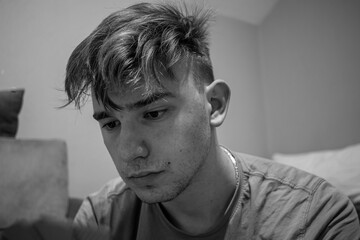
(152, 195)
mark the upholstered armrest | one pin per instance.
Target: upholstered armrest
(33, 179)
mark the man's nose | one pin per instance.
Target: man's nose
(132, 144)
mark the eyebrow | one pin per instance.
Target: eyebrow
(139, 104)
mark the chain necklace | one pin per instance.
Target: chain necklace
(232, 158)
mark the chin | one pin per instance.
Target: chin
(157, 196)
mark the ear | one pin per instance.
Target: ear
(218, 97)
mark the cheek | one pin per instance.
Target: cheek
(112, 150)
(107, 142)
(192, 131)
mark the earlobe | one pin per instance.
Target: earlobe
(218, 95)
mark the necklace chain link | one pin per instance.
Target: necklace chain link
(232, 158)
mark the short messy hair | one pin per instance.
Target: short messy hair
(137, 46)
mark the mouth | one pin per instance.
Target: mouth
(143, 174)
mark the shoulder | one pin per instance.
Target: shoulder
(112, 190)
(99, 207)
(261, 169)
(291, 202)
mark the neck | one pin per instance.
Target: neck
(204, 202)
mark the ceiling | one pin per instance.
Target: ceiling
(251, 11)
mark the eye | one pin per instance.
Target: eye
(111, 125)
(154, 115)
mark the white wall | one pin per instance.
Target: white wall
(310, 67)
(37, 38)
(235, 58)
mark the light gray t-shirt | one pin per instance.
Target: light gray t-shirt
(273, 201)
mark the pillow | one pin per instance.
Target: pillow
(10, 105)
(339, 167)
(33, 180)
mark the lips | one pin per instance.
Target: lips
(143, 174)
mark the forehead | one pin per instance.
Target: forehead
(179, 83)
(138, 97)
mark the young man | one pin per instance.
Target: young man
(158, 106)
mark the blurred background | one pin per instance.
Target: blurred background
(293, 66)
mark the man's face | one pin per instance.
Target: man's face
(158, 143)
